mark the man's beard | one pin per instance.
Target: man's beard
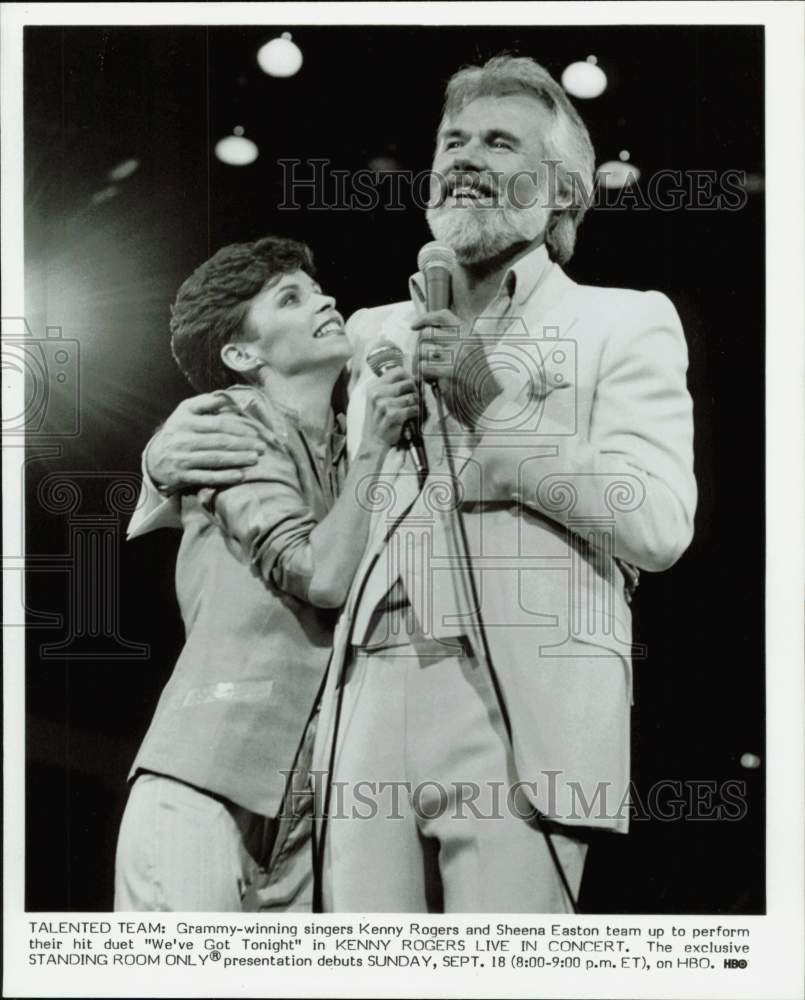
(479, 233)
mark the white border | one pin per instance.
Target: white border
(782, 930)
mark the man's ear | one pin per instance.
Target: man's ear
(239, 358)
(558, 186)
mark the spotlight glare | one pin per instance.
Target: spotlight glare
(750, 761)
(584, 79)
(236, 151)
(617, 174)
(280, 57)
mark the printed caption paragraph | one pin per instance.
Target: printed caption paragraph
(408, 944)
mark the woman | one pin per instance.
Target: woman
(261, 568)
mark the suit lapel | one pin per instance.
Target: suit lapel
(549, 312)
(551, 305)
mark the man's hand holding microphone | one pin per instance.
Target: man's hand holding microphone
(448, 353)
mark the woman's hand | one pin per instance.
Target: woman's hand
(337, 542)
(391, 399)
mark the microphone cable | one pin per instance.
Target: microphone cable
(536, 816)
(319, 843)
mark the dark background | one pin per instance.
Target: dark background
(104, 267)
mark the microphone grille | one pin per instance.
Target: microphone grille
(436, 255)
(385, 355)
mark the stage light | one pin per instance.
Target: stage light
(753, 183)
(618, 173)
(384, 164)
(750, 761)
(236, 150)
(584, 79)
(106, 194)
(280, 57)
(123, 170)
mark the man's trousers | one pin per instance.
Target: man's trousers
(425, 814)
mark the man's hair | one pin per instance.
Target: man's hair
(567, 143)
(211, 305)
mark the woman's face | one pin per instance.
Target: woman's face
(295, 327)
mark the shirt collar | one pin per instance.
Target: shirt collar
(519, 282)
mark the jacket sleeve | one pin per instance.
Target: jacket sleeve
(634, 460)
(266, 516)
(153, 510)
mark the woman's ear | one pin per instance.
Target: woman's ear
(239, 358)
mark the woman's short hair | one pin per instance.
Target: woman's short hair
(211, 305)
(567, 144)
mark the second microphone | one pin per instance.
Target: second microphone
(380, 359)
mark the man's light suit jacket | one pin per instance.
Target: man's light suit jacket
(585, 458)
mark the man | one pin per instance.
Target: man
(261, 566)
(569, 426)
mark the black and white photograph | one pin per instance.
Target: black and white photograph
(402, 476)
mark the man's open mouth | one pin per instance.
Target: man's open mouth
(471, 191)
(333, 327)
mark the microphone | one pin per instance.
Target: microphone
(436, 262)
(380, 359)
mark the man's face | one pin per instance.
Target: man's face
(296, 327)
(489, 189)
